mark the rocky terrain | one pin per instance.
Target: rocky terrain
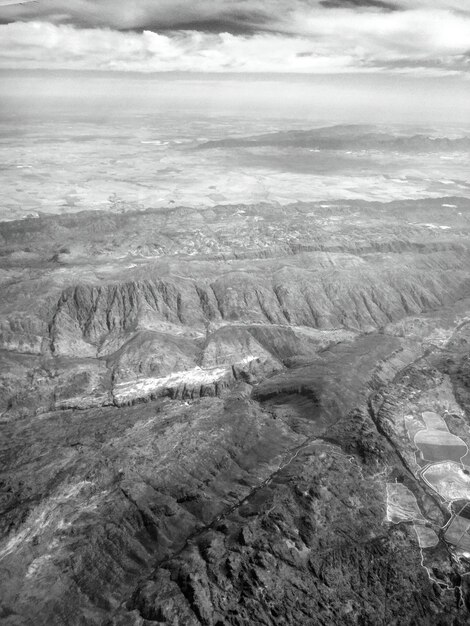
(209, 416)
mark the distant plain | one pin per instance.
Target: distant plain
(62, 161)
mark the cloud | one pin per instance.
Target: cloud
(349, 4)
(233, 16)
(305, 36)
(240, 16)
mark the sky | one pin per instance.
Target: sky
(421, 47)
(281, 36)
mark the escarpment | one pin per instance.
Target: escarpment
(188, 336)
(361, 298)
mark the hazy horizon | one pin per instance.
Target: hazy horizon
(335, 98)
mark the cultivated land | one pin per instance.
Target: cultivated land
(237, 414)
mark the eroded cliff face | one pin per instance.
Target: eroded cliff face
(144, 337)
(209, 439)
(362, 298)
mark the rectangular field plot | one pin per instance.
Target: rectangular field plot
(457, 533)
(435, 453)
(434, 421)
(427, 538)
(401, 504)
(463, 512)
(449, 480)
(439, 445)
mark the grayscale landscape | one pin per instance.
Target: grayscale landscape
(234, 340)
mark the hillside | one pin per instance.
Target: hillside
(204, 414)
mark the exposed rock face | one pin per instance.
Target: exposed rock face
(150, 329)
(209, 439)
(361, 299)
